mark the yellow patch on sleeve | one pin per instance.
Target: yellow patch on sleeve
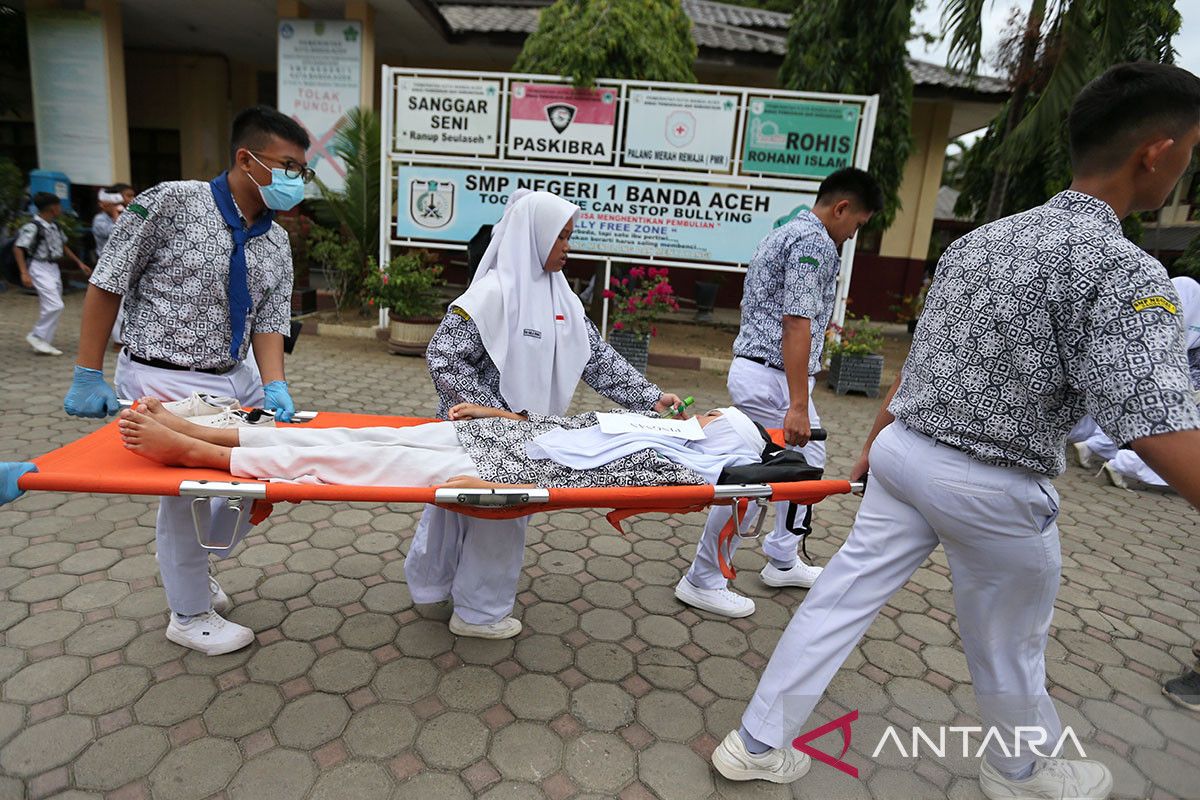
(460, 312)
(1154, 301)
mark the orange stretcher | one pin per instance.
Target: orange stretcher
(99, 463)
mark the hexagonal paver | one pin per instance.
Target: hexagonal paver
(242, 710)
(40, 681)
(381, 730)
(195, 770)
(452, 741)
(719, 638)
(470, 688)
(142, 603)
(342, 671)
(606, 625)
(662, 631)
(102, 637)
(428, 785)
(728, 677)
(599, 762)
(43, 587)
(310, 624)
(368, 631)
(602, 706)
(281, 661)
(119, 758)
(97, 594)
(46, 745)
(534, 696)
(286, 586)
(541, 653)
(87, 561)
(310, 721)
(387, 598)
(424, 639)
(259, 615)
(669, 715)
(276, 773)
(49, 626)
(604, 661)
(41, 555)
(405, 679)
(175, 700)
(526, 751)
(675, 772)
(109, 689)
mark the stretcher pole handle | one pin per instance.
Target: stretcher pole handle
(818, 435)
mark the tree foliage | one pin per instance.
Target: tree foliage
(633, 39)
(1043, 168)
(845, 46)
(1189, 263)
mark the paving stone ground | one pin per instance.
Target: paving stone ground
(613, 690)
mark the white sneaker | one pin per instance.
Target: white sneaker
(1116, 478)
(220, 601)
(1052, 779)
(201, 405)
(237, 418)
(1083, 456)
(801, 575)
(717, 601)
(506, 628)
(210, 633)
(780, 765)
(42, 346)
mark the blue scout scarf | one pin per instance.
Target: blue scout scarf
(239, 288)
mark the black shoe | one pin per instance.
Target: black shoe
(1184, 690)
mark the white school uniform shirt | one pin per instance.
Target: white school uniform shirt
(49, 245)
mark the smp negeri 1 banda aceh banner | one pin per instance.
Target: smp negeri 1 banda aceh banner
(672, 174)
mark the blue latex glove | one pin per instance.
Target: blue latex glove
(9, 472)
(90, 396)
(279, 401)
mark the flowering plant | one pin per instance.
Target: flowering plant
(409, 285)
(639, 299)
(858, 337)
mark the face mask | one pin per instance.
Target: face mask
(282, 193)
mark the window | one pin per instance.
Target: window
(153, 156)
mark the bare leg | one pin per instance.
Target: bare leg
(151, 439)
(153, 408)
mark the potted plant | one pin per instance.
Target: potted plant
(408, 289)
(636, 303)
(855, 364)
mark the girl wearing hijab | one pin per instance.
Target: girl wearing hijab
(517, 340)
(1124, 468)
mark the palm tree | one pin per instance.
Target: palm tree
(355, 209)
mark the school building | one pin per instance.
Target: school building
(176, 72)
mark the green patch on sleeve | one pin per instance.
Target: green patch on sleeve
(140, 210)
(809, 260)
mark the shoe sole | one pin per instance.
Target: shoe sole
(703, 606)
(1103, 790)
(734, 771)
(218, 650)
(473, 634)
(1179, 701)
(783, 585)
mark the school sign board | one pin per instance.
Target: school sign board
(320, 76)
(681, 175)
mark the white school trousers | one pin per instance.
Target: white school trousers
(47, 280)
(1099, 443)
(182, 562)
(418, 455)
(762, 394)
(997, 526)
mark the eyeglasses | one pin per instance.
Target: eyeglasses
(290, 168)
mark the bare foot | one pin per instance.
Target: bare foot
(154, 408)
(146, 436)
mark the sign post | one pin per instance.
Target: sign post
(679, 175)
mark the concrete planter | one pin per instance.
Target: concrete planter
(856, 374)
(635, 347)
(410, 336)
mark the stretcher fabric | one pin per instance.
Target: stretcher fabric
(99, 463)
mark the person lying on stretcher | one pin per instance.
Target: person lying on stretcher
(480, 448)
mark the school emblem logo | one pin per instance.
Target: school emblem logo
(681, 128)
(431, 203)
(560, 115)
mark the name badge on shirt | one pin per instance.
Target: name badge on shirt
(532, 333)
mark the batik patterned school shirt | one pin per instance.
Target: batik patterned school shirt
(793, 272)
(169, 256)
(1033, 321)
(463, 372)
(497, 446)
(49, 243)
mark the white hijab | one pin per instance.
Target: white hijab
(532, 324)
(1189, 302)
(732, 440)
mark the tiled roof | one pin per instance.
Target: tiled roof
(715, 26)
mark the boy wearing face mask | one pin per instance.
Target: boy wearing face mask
(210, 254)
